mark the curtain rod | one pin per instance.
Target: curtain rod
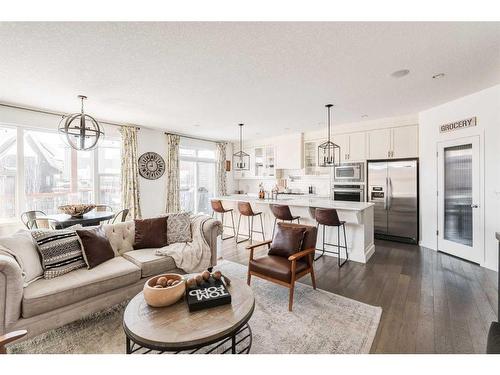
(191, 137)
(54, 113)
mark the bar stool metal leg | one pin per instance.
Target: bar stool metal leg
(238, 232)
(262, 228)
(274, 227)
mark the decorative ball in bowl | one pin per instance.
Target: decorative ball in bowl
(76, 210)
(164, 290)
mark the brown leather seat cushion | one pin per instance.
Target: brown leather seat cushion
(276, 267)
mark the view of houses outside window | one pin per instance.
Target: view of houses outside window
(55, 174)
(197, 176)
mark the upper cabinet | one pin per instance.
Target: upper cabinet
(352, 146)
(289, 152)
(400, 142)
(264, 161)
(311, 159)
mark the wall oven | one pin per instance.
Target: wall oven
(350, 193)
(348, 172)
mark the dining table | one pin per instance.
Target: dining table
(88, 219)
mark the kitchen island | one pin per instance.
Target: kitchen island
(357, 215)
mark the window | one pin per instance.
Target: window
(197, 175)
(109, 175)
(8, 154)
(54, 174)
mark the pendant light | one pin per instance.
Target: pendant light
(81, 131)
(326, 150)
(241, 160)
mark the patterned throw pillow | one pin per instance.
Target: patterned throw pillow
(59, 250)
(179, 228)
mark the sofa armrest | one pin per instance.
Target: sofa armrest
(11, 292)
(212, 229)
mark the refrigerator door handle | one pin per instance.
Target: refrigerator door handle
(389, 193)
(385, 195)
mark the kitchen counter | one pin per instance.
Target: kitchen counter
(300, 201)
(357, 215)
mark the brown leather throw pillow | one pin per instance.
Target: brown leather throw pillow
(150, 233)
(287, 240)
(95, 245)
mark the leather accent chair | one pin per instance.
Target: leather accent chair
(289, 258)
(282, 212)
(10, 337)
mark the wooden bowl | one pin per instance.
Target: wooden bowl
(161, 297)
(76, 210)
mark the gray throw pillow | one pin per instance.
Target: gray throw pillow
(179, 228)
(60, 251)
(22, 247)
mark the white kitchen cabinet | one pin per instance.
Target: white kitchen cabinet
(392, 143)
(289, 152)
(405, 142)
(311, 167)
(264, 161)
(352, 146)
(357, 147)
(379, 144)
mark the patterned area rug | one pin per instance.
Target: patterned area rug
(321, 322)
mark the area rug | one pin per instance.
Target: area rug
(321, 322)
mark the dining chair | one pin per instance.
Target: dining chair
(121, 216)
(29, 218)
(46, 223)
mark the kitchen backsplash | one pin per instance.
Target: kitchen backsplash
(296, 181)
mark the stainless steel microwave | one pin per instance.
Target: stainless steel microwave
(349, 172)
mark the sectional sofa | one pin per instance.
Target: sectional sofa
(45, 304)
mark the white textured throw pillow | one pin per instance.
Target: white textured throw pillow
(22, 247)
(179, 228)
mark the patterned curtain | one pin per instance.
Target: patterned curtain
(130, 171)
(221, 169)
(173, 182)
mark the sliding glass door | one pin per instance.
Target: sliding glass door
(197, 176)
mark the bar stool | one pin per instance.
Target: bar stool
(282, 212)
(328, 217)
(218, 208)
(246, 210)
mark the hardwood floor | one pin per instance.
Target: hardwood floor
(432, 302)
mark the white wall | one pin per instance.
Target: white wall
(485, 105)
(152, 192)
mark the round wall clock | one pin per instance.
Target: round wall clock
(151, 165)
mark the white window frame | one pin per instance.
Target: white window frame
(20, 199)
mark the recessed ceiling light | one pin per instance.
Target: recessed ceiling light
(400, 73)
(439, 75)
(364, 116)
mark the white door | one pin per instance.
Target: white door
(357, 146)
(405, 142)
(459, 210)
(379, 144)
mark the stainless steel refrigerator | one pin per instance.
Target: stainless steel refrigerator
(393, 188)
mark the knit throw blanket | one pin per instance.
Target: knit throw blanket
(191, 256)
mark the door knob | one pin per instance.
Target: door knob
(474, 205)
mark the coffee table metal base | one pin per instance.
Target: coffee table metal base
(238, 343)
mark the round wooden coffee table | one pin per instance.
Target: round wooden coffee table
(221, 329)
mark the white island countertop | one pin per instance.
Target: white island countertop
(300, 201)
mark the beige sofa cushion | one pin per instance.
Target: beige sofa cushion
(49, 294)
(149, 263)
(121, 236)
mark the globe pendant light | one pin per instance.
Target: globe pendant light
(81, 131)
(326, 150)
(241, 160)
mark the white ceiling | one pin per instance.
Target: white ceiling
(274, 77)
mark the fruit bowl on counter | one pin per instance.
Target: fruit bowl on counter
(76, 210)
(164, 290)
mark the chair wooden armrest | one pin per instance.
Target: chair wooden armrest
(9, 337)
(251, 247)
(301, 254)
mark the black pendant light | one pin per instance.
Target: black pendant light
(241, 160)
(81, 131)
(326, 150)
